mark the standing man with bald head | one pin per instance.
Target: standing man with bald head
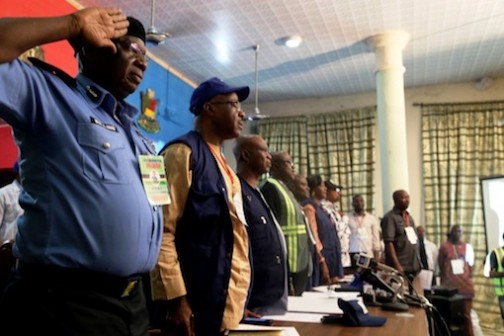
(269, 254)
(288, 212)
(203, 269)
(398, 229)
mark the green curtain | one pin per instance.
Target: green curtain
(342, 146)
(462, 143)
(338, 145)
(287, 134)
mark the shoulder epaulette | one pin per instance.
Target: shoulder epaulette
(66, 78)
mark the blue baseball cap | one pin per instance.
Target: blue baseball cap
(211, 88)
(353, 315)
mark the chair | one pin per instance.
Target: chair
(7, 261)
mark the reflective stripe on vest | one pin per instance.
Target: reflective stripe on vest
(292, 229)
(498, 282)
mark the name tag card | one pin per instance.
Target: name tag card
(154, 179)
(410, 233)
(457, 266)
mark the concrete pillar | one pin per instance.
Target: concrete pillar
(388, 47)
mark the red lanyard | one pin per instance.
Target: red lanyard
(406, 218)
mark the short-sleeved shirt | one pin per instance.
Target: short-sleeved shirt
(85, 205)
(365, 233)
(10, 210)
(394, 230)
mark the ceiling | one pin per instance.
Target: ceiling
(450, 41)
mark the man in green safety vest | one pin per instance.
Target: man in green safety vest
(497, 273)
(291, 219)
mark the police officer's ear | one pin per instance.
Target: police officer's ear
(86, 55)
(91, 54)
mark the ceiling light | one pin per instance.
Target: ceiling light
(293, 41)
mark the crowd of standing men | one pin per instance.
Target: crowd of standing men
(221, 245)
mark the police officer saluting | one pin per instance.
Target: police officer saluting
(88, 229)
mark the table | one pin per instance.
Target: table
(395, 325)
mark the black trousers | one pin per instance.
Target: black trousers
(64, 302)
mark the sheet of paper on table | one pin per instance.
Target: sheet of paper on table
(324, 303)
(297, 317)
(256, 330)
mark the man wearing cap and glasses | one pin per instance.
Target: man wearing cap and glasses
(89, 229)
(331, 204)
(203, 271)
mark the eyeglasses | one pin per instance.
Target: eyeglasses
(234, 103)
(135, 49)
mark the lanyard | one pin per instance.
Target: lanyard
(406, 218)
(222, 160)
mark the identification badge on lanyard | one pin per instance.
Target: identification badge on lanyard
(410, 233)
(457, 266)
(154, 179)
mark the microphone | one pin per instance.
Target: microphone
(365, 261)
(394, 285)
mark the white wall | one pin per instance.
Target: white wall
(464, 92)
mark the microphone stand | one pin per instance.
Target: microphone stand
(397, 303)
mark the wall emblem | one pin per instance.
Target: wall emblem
(147, 119)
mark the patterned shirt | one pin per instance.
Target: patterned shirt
(9, 210)
(342, 228)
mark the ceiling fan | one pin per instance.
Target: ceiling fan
(152, 34)
(257, 113)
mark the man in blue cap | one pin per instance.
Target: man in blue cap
(89, 229)
(203, 271)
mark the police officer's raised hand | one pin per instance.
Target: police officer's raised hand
(97, 27)
(91, 27)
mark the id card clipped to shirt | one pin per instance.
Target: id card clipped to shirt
(410, 233)
(154, 179)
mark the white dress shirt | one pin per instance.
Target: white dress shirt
(364, 233)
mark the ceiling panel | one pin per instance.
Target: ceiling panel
(450, 41)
